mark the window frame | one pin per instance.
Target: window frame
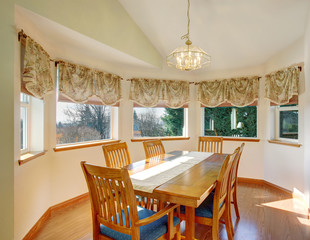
(279, 109)
(184, 131)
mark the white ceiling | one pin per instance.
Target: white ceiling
(236, 33)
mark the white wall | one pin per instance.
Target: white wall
(307, 113)
(283, 165)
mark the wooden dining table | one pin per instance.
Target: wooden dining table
(190, 188)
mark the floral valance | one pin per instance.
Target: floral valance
(149, 92)
(236, 91)
(36, 77)
(282, 85)
(79, 84)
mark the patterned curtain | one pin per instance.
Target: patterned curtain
(239, 92)
(36, 77)
(79, 84)
(242, 91)
(282, 85)
(75, 82)
(107, 88)
(149, 92)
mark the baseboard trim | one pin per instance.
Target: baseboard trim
(69, 202)
(38, 225)
(251, 180)
(266, 183)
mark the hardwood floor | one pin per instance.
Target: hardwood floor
(265, 215)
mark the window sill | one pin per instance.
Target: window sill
(159, 138)
(287, 143)
(30, 156)
(83, 145)
(241, 139)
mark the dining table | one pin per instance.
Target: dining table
(181, 177)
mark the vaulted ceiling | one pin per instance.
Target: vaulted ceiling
(236, 33)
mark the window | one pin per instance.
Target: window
(229, 121)
(31, 124)
(24, 113)
(159, 122)
(286, 122)
(83, 122)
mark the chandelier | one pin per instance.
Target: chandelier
(188, 57)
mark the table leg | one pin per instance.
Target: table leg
(190, 223)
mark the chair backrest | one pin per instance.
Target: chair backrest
(235, 166)
(222, 189)
(112, 199)
(116, 155)
(210, 144)
(153, 148)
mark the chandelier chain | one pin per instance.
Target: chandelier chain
(186, 36)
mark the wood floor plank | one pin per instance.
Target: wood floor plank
(266, 214)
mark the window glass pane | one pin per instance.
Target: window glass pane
(24, 98)
(158, 122)
(289, 124)
(23, 128)
(82, 122)
(231, 121)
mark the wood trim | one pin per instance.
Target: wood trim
(39, 224)
(162, 139)
(30, 156)
(241, 139)
(308, 213)
(251, 180)
(265, 183)
(291, 144)
(278, 188)
(83, 145)
(70, 202)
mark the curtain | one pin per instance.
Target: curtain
(238, 92)
(81, 84)
(107, 88)
(36, 76)
(75, 82)
(149, 92)
(282, 85)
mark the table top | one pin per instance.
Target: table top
(189, 188)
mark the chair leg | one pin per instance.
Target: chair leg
(215, 230)
(236, 203)
(228, 225)
(230, 220)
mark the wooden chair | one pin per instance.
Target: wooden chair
(217, 204)
(116, 155)
(115, 214)
(210, 144)
(234, 177)
(153, 148)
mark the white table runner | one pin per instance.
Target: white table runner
(151, 178)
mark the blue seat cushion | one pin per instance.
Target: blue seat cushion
(150, 231)
(205, 209)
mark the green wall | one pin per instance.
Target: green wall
(7, 34)
(103, 20)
